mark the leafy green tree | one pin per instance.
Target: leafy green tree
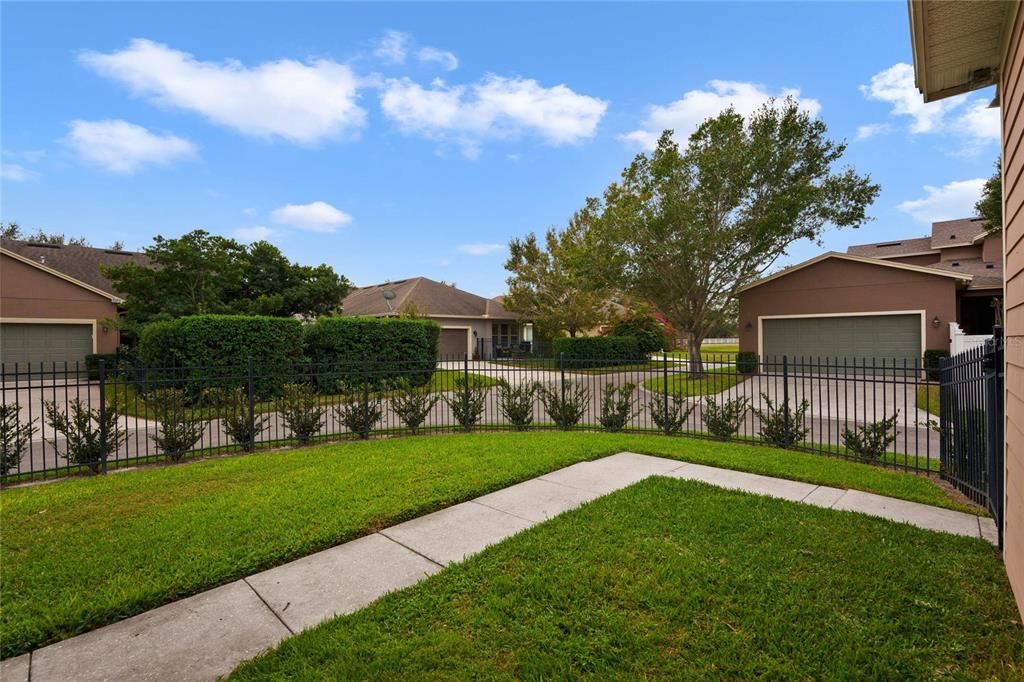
(13, 231)
(685, 229)
(990, 205)
(547, 285)
(203, 273)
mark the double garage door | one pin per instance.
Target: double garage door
(44, 343)
(858, 336)
(452, 344)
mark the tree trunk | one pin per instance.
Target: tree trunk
(696, 362)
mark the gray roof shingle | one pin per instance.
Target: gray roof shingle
(429, 297)
(82, 263)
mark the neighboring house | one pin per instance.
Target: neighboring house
(53, 301)
(890, 300)
(470, 324)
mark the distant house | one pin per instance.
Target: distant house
(470, 324)
(892, 299)
(53, 301)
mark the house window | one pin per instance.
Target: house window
(505, 335)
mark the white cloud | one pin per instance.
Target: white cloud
(393, 47)
(249, 211)
(949, 202)
(685, 114)
(961, 114)
(123, 147)
(300, 102)
(871, 129)
(12, 172)
(446, 59)
(493, 107)
(255, 233)
(318, 216)
(480, 249)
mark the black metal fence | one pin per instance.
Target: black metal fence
(64, 422)
(973, 409)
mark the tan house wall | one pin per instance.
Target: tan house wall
(961, 253)
(841, 286)
(1011, 93)
(29, 293)
(476, 328)
(992, 249)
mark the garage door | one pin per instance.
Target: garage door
(452, 344)
(861, 337)
(45, 343)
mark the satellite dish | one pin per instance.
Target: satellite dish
(389, 295)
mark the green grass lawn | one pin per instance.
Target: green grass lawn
(714, 381)
(130, 403)
(711, 351)
(85, 552)
(928, 398)
(680, 580)
(553, 365)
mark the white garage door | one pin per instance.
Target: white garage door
(44, 343)
(857, 336)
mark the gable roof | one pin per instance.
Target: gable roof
(892, 249)
(945, 234)
(930, 270)
(962, 232)
(78, 264)
(430, 298)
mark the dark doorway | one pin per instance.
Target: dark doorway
(978, 314)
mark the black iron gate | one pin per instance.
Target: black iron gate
(971, 414)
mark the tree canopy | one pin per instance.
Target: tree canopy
(547, 284)
(204, 273)
(685, 229)
(990, 205)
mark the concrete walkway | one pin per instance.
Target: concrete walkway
(205, 636)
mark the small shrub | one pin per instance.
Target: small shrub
(236, 422)
(516, 403)
(931, 362)
(13, 436)
(359, 415)
(592, 351)
(88, 438)
(782, 426)
(178, 430)
(723, 421)
(617, 406)
(746, 362)
(412, 405)
(300, 411)
(565, 406)
(467, 404)
(670, 416)
(870, 441)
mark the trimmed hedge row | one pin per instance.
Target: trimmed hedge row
(391, 348)
(599, 350)
(219, 346)
(214, 349)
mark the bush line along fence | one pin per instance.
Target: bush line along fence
(56, 420)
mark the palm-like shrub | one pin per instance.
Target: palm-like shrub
(236, 422)
(467, 404)
(300, 411)
(871, 440)
(516, 403)
(565, 405)
(670, 415)
(723, 421)
(89, 436)
(413, 404)
(617, 406)
(13, 436)
(359, 414)
(178, 430)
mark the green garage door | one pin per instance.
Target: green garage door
(46, 343)
(860, 337)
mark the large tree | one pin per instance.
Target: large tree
(548, 286)
(204, 273)
(685, 229)
(990, 205)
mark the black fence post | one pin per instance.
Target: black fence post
(366, 398)
(103, 411)
(561, 371)
(251, 394)
(994, 431)
(785, 395)
(465, 377)
(664, 379)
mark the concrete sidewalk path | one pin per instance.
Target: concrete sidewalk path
(205, 636)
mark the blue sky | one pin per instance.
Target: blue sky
(392, 140)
